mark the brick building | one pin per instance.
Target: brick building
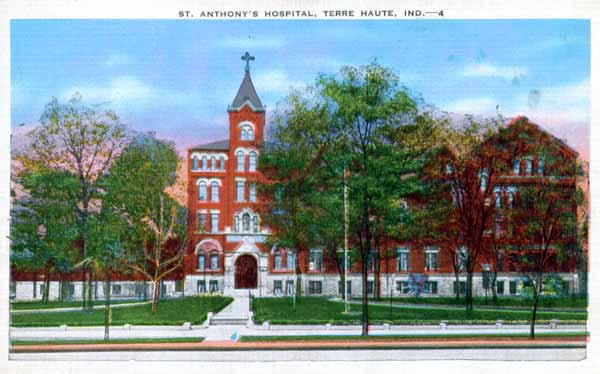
(228, 252)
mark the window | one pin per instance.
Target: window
(483, 175)
(371, 261)
(213, 163)
(241, 161)
(213, 286)
(341, 290)
(201, 221)
(511, 199)
(246, 222)
(529, 165)
(116, 289)
(500, 287)
(202, 191)
(253, 192)
(214, 191)
(252, 161)
(315, 287)
(512, 287)
(541, 164)
(289, 287)
(402, 287)
(244, 134)
(240, 187)
(204, 163)
(431, 260)
(250, 133)
(402, 259)
(214, 261)
(291, 260)
(431, 287)
(517, 166)
(195, 163)
(201, 261)
(370, 287)
(222, 163)
(278, 287)
(214, 222)
(315, 260)
(178, 286)
(201, 286)
(449, 168)
(247, 133)
(255, 227)
(462, 287)
(498, 199)
(278, 260)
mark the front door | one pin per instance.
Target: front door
(246, 273)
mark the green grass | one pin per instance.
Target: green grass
(26, 305)
(170, 312)
(111, 341)
(579, 302)
(293, 338)
(318, 310)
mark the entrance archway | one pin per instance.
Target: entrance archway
(246, 272)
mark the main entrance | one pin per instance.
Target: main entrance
(246, 274)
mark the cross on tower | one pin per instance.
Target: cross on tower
(247, 57)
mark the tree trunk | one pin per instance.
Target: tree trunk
(457, 280)
(365, 306)
(533, 315)
(494, 287)
(35, 285)
(46, 294)
(107, 305)
(469, 293)
(155, 296)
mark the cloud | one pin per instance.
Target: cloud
(569, 102)
(118, 60)
(253, 42)
(487, 70)
(118, 89)
(478, 106)
(275, 81)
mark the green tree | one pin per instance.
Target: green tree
(84, 141)
(136, 191)
(350, 118)
(43, 229)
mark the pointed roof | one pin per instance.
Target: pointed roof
(246, 94)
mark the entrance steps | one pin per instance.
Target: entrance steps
(236, 313)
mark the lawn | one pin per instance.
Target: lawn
(31, 305)
(110, 341)
(293, 338)
(319, 310)
(578, 302)
(170, 312)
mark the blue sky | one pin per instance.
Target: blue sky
(177, 77)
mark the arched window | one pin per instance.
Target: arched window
(202, 191)
(214, 191)
(244, 135)
(278, 259)
(195, 163)
(201, 261)
(247, 133)
(253, 160)
(255, 223)
(250, 133)
(222, 163)
(241, 160)
(204, 163)
(213, 163)
(246, 222)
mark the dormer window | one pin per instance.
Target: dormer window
(247, 133)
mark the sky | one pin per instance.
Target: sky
(177, 77)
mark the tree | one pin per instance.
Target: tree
(349, 118)
(43, 229)
(84, 141)
(462, 177)
(136, 191)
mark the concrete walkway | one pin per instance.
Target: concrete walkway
(75, 309)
